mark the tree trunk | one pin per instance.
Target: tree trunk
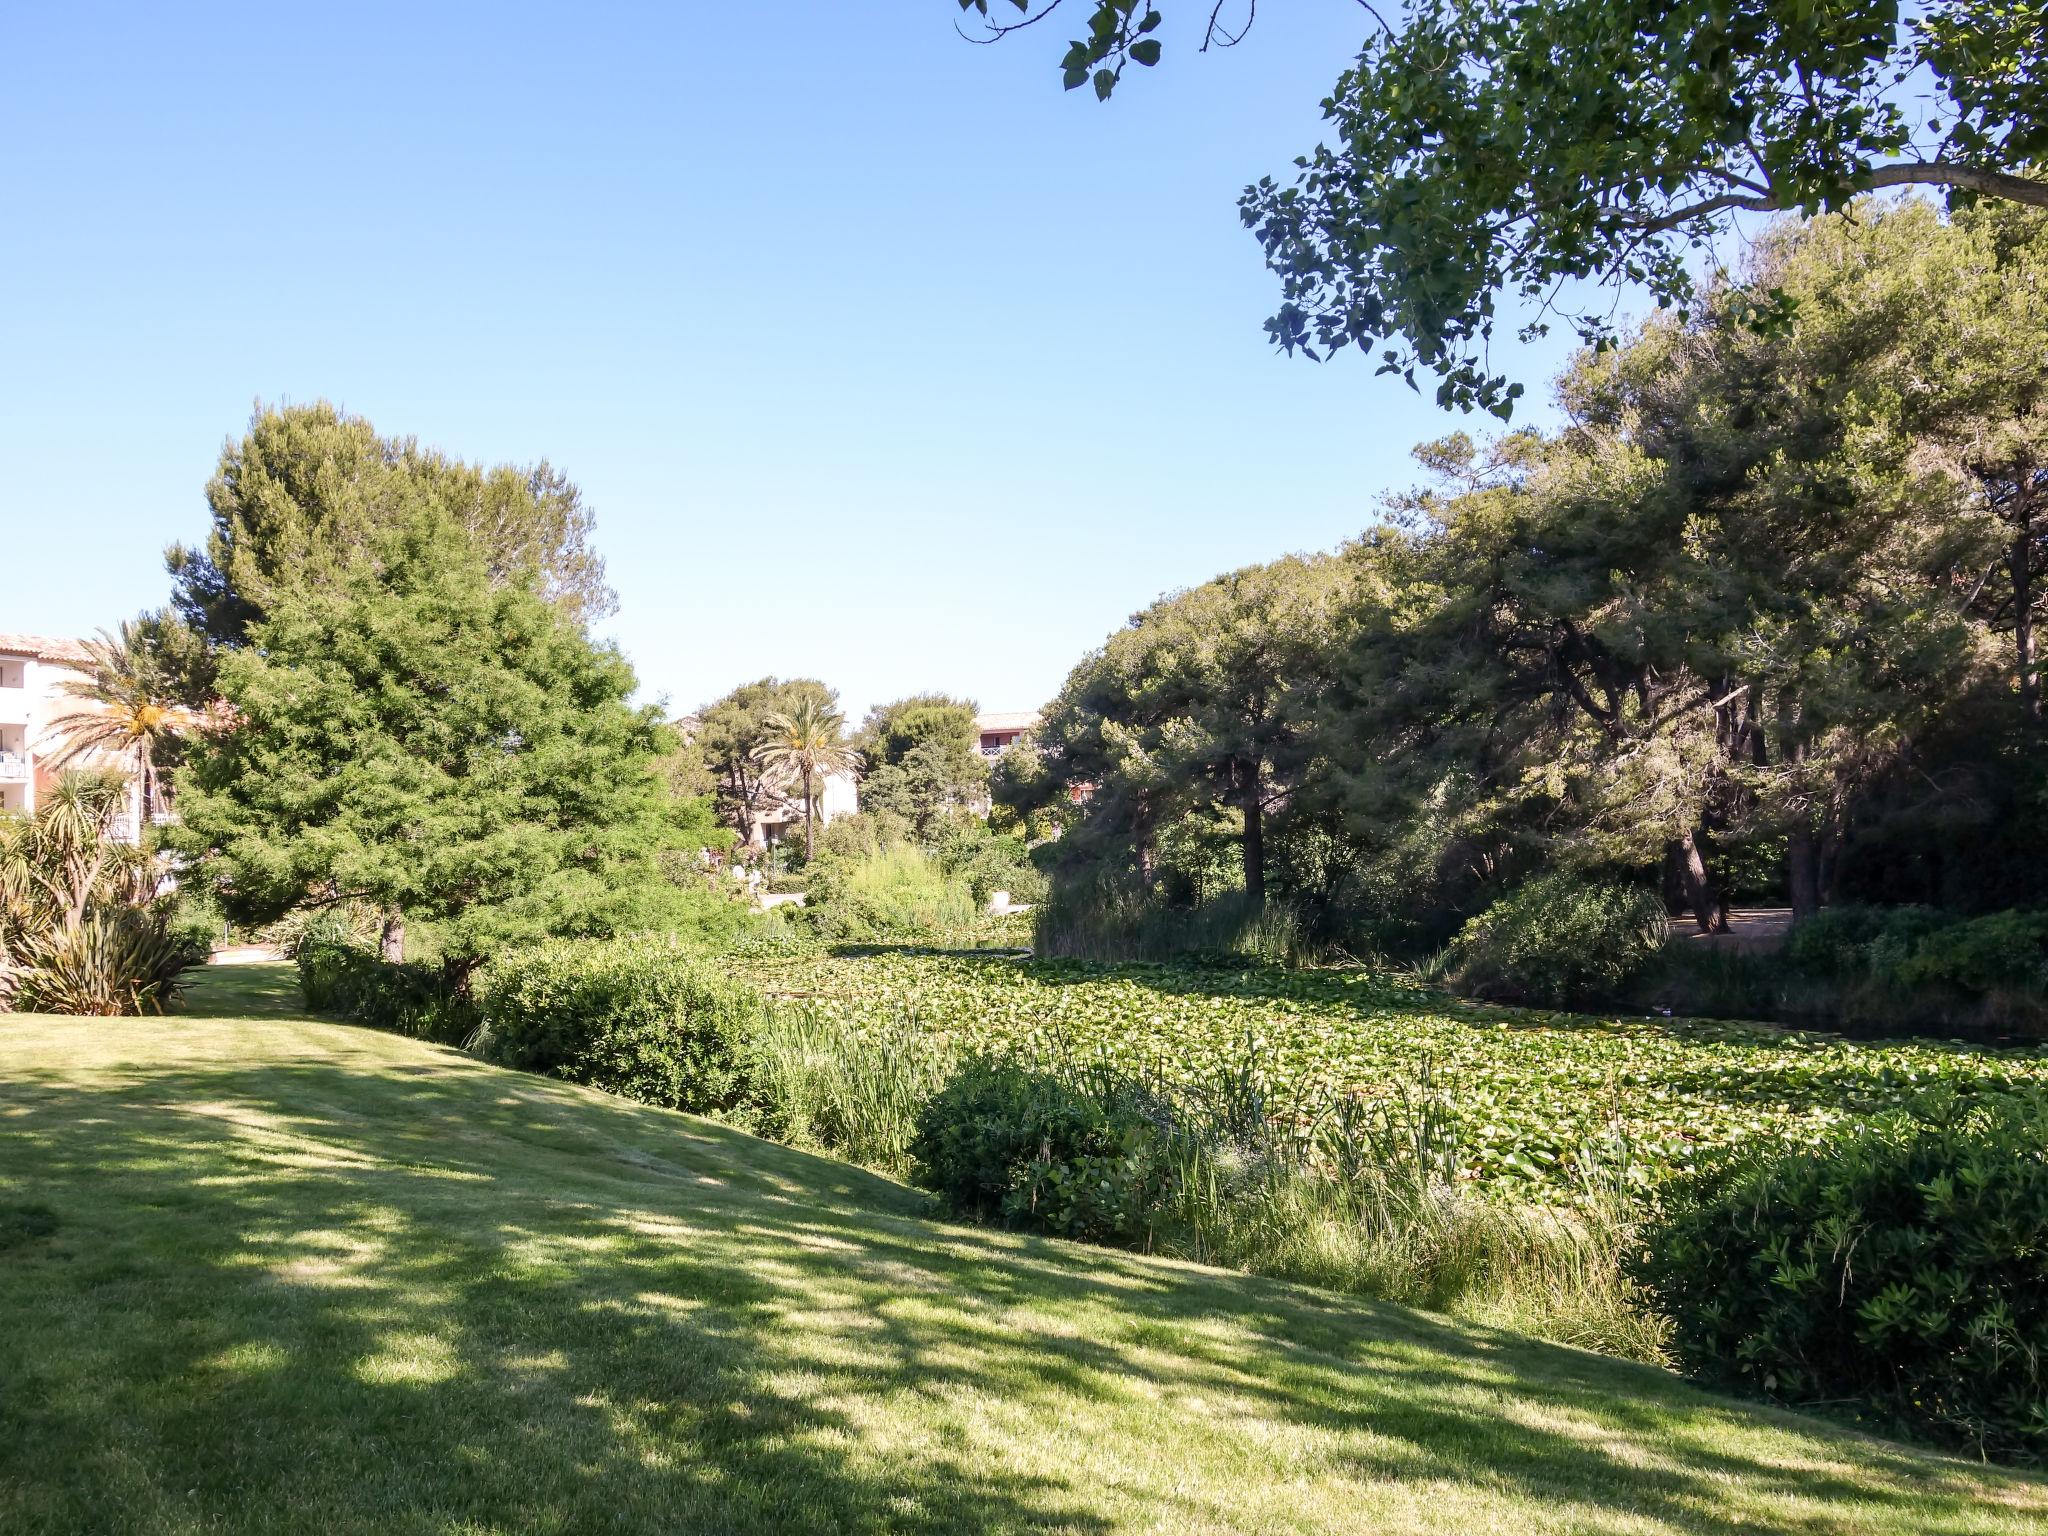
(391, 943)
(810, 816)
(1802, 872)
(1700, 892)
(2021, 562)
(1254, 834)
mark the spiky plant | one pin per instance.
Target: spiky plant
(76, 931)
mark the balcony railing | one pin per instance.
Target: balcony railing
(14, 768)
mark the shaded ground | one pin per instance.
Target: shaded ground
(266, 1274)
(1750, 929)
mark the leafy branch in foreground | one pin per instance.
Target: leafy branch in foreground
(1484, 148)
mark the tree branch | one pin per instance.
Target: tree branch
(1911, 173)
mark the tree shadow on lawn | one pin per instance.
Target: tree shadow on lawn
(356, 1296)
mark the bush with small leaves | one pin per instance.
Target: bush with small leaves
(341, 977)
(642, 1017)
(1002, 1142)
(1559, 942)
(1901, 1267)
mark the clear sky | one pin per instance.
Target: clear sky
(878, 356)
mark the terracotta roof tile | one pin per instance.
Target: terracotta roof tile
(44, 648)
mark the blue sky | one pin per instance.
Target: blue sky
(879, 356)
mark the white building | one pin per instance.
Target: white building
(31, 667)
(781, 813)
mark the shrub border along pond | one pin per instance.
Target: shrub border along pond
(1900, 1267)
(1894, 1270)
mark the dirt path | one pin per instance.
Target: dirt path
(1749, 929)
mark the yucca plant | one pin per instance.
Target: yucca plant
(78, 929)
(119, 961)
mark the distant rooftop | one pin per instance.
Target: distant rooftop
(43, 648)
(1007, 720)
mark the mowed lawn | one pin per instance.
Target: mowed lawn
(259, 1273)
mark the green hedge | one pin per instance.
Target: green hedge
(344, 979)
(1901, 1267)
(642, 1017)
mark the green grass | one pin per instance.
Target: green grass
(1531, 1090)
(270, 1274)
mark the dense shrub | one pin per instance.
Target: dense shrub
(987, 862)
(1874, 970)
(1559, 942)
(643, 1017)
(1004, 1143)
(1901, 1267)
(340, 977)
(1980, 954)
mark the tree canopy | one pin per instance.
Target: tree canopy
(1758, 617)
(413, 732)
(309, 491)
(921, 760)
(727, 735)
(1484, 151)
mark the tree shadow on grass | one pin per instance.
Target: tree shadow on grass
(363, 1295)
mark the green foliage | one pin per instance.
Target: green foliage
(195, 920)
(419, 736)
(1483, 150)
(309, 489)
(820, 1083)
(987, 862)
(1034, 1151)
(896, 892)
(117, 960)
(81, 928)
(1897, 1267)
(804, 745)
(727, 737)
(644, 1017)
(1540, 1099)
(1363, 1197)
(1107, 923)
(349, 980)
(1999, 949)
(893, 731)
(1196, 714)
(1559, 942)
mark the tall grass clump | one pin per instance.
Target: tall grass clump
(1111, 925)
(896, 892)
(830, 1086)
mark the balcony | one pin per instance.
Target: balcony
(14, 768)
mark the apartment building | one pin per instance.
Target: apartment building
(31, 667)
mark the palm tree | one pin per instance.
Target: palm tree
(807, 739)
(127, 709)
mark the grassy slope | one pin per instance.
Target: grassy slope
(308, 1277)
